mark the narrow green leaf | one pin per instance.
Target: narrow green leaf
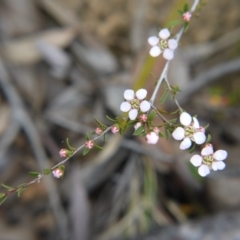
(85, 151)
(174, 23)
(151, 115)
(162, 111)
(34, 174)
(104, 137)
(192, 149)
(110, 119)
(185, 7)
(177, 111)
(206, 127)
(46, 171)
(166, 133)
(3, 200)
(20, 191)
(209, 138)
(7, 187)
(98, 147)
(87, 137)
(173, 120)
(69, 146)
(138, 131)
(2, 195)
(164, 97)
(98, 122)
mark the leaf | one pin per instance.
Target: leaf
(3, 200)
(2, 195)
(98, 147)
(110, 119)
(177, 111)
(164, 97)
(174, 23)
(208, 138)
(87, 137)
(166, 133)
(46, 171)
(98, 122)
(151, 115)
(69, 146)
(192, 149)
(104, 137)
(206, 127)
(34, 174)
(20, 191)
(185, 7)
(7, 187)
(162, 111)
(85, 152)
(138, 131)
(173, 120)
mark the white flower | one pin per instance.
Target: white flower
(209, 160)
(162, 45)
(191, 131)
(135, 102)
(152, 138)
(57, 173)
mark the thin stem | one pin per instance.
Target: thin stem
(164, 72)
(160, 115)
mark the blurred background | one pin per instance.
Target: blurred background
(62, 62)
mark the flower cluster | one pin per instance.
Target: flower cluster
(190, 132)
(163, 45)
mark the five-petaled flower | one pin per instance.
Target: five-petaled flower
(57, 173)
(135, 102)
(209, 160)
(89, 144)
(191, 131)
(163, 45)
(152, 138)
(98, 130)
(115, 129)
(186, 16)
(63, 153)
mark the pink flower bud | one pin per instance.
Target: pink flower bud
(115, 129)
(63, 153)
(89, 144)
(209, 145)
(137, 125)
(143, 118)
(57, 173)
(186, 16)
(201, 129)
(152, 138)
(98, 130)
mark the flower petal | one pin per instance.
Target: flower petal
(152, 138)
(185, 119)
(164, 33)
(141, 94)
(219, 165)
(178, 133)
(155, 51)
(153, 40)
(203, 170)
(207, 151)
(195, 123)
(220, 155)
(185, 144)
(129, 94)
(133, 114)
(199, 137)
(196, 160)
(125, 106)
(145, 106)
(168, 54)
(172, 44)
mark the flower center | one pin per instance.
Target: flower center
(208, 160)
(163, 44)
(135, 103)
(189, 131)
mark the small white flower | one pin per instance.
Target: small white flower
(152, 138)
(57, 173)
(191, 131)
(209, 160)
(162, 45)
(135, 102)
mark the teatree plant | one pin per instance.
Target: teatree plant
(140, 113)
